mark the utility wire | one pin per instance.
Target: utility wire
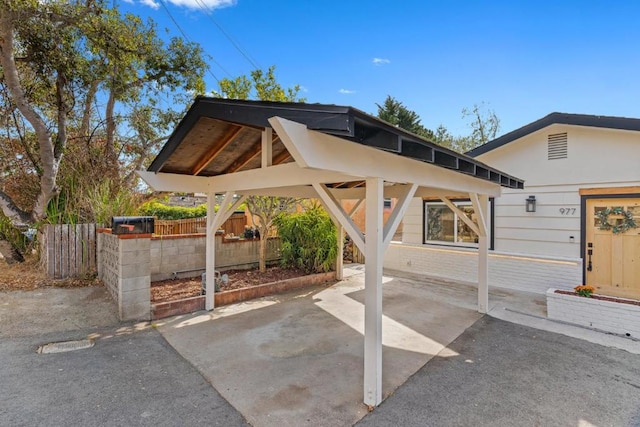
(166, 9)
(209, 12)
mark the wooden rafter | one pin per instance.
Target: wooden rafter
(246, 157)
(222, 143)
(250, 154)
(280, 158)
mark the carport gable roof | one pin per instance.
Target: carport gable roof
(222, 136)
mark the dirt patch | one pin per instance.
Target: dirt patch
(27, 276)
(172, 290)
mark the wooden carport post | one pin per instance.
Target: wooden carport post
(214, 221)
(374, 251)
(210, 273)
(481, 207)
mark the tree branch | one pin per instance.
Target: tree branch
(50, 162)
(12, 211)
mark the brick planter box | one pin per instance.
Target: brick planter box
(189, 305)
(174, 308)
(615, 317)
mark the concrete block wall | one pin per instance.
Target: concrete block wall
(108, 255)
(187, 253)
(509, 271)
(614, 317)
(127, 264)
(177, 253)
(124, 268)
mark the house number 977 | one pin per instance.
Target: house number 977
(567, 211)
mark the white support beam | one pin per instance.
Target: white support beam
(373, 293)
(214, 221)
(461, 215)
(335, 209)
(267, 147)
(396, 191)
(307, 192)
(285, 175)
(210, 274)
(227, 208)
(355, 207)
(398, 213)
(481, 207)
(176, 182)
(222, 210)
(318, 150)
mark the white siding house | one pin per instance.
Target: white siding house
(575, 166)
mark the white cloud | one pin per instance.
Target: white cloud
(151, 3)
(380, 61)
(199, 4)
(346, 91)
(303, 89)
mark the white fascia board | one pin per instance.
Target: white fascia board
(327, 152)
(175, 182)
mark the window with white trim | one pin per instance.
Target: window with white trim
(443, 226)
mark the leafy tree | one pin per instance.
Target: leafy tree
(394, 112)
(259, 85)
(264, 86)
(80, 93)
(264, 211)
(485, 124)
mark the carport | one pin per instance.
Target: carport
(331, 153)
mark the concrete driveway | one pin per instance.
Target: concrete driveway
(511, 375)
(131, 376)
(297, 359)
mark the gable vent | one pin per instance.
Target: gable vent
(557, 146)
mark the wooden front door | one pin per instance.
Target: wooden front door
(612, 259)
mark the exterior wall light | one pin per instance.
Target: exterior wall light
(530, 204)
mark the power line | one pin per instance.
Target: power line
(209, 14)
(166, 9)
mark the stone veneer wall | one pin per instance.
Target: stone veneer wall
(186, 254)
(124, 268)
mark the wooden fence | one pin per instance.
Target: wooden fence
(235, 224)
(357, 256)
(68, 250)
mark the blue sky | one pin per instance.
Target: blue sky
(524, 59)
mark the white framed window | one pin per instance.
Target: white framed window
(442, 225)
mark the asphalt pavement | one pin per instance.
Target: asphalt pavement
(512, 375)
(129, 378)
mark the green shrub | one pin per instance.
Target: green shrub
(162, 211)
(309, 240)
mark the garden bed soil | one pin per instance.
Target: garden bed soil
(176, 289)
(603, 298)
